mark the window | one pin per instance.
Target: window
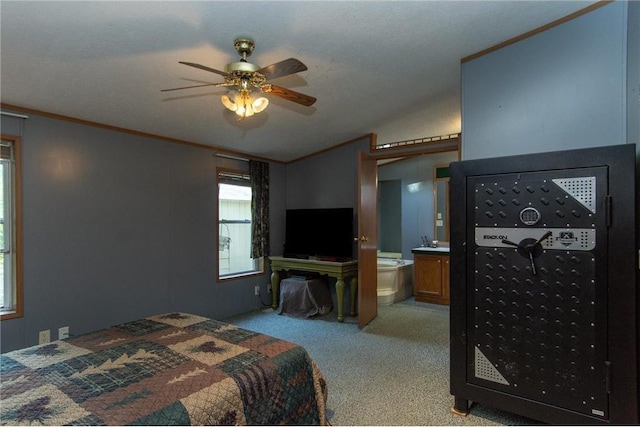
(10, 228)
(234, 226)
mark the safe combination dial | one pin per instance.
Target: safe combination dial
(529, 248)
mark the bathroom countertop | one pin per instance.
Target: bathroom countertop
(439, 250)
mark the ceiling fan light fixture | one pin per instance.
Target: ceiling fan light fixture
(243, 77)
(260, 104)
(227, 102)
(244, 110)
(243, 105)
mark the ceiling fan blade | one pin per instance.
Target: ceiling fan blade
(203, 67)
(282, 68)
(290, 95)
(189, 87)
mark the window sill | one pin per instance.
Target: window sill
(6, 315)
(240, 275)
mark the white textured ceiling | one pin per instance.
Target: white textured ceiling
(369, 63)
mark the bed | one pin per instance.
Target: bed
(170, 369)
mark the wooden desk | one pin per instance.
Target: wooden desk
(338, 270)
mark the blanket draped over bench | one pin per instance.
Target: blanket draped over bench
(170, 369)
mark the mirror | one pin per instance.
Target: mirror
(441, 203)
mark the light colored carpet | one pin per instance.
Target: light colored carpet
(393, 372)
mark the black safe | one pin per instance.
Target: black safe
(544, 286)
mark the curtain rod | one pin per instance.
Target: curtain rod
(20, 116)
(227, 156)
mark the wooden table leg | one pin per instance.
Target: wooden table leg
(340, 297)
(275, 282)
(353, 285)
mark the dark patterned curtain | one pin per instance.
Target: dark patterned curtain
(259, 208)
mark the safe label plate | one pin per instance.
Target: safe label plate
(575, 239)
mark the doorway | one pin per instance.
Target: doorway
(406, 202)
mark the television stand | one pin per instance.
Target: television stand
(338, 270)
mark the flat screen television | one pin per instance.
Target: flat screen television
(323, 233)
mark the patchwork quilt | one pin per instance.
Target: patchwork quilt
(170, 369)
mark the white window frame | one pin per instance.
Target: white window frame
(228, 176)
(12, 306)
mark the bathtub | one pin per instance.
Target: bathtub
(395, 280)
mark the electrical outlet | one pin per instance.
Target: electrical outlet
(44, 337)
(63, 332)
(257, 290)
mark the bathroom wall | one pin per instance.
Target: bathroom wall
(390, 215)
(416, 207)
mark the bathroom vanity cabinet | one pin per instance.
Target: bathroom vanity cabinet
(431, 276)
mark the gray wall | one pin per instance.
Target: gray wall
(118, 226)
(564, 88)
(327, 180)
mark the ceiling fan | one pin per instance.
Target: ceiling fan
(244, 77)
